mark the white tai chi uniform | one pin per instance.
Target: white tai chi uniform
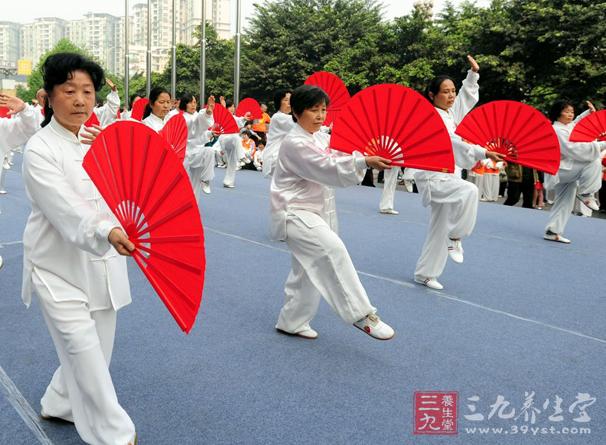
(490, 190)
(154, 122)
(232, 147)
(303, 214)
(108, 113)
(390, 182)
(200, 160)
(280, 126)
(15, 132)
(80, 281)
(453, 201)
(579, 166)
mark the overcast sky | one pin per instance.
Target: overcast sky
(27, 10)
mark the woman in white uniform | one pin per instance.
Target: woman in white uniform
(200, 159)
(280, 125)
(17, 130)
(72, 258)
(579, 167)
(156, 111)
(453, 201)
(302, 214)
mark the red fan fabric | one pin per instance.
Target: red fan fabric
(397, 123)
(175, 133)
(139, 109)
(590, 128)
(517, 130)
(147, 188)
(4, 112)
(336, 90)
(92, 120)
(225, 123)
(251, 106)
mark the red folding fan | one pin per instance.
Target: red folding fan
(224, 120)
(92, 120)
(396, 123)
(146, 187)
(336, 90)
(590, 128)
(139, 109)
(251, 106)
(4, 112)
(175, 132)
(517, 130)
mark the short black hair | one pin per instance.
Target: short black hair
(306, 97)
(184, 100)
(59, 68)
(434, 85)
(153, 96)
(278, 96)
(557, 108)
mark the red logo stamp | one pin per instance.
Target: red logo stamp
(435, 412)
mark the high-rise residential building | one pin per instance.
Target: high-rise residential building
(96, 33)
(41, 36)
(10, 44)
(102, 35)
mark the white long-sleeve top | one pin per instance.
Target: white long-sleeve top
(280, 126)
(108, 113)
(66, 232)
(198, 124)
(154, 122)
(305, 174)
(466, 155)
(575, 151)
(17, 130)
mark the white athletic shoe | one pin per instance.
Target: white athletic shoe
(550, 236)
(389, 212)
(589, 201)
(431, 283)
(206, 187)
(455, 250)
(229, 186)
(373, 326)
(1, 262)
(308, 334)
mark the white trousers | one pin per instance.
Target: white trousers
(454, 207)
(81, 388)
(321, 266)
(588, 178)
(490, 185)
(390, 181)
(201, 168)
(232, 160)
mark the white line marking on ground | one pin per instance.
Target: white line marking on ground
(25, 411)
(436, 293)
(11, 243)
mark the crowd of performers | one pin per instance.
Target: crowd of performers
(74, 247)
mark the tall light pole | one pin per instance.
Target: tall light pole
(237, 55)
(202, 97)
(126, 55)
(173, 76)
(148, 60)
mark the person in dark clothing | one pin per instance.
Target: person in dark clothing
(520, 181)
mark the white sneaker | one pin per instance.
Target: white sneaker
(550, 236)
(373, 326)
(229, 186)
(589, 201)
(431, 283)
(455, 250)
(389, 212)
(1, 262)
(52, 418)
(206, 187)
(221, 166)
(308, 334)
